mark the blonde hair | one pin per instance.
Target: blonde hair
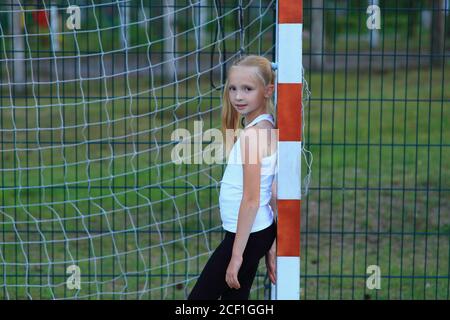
(230, 117)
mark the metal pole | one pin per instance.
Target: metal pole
(169, 63)
(19, 46)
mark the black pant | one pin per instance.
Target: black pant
(211, 284)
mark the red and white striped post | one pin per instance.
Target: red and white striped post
(289, 111)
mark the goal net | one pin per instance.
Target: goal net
(92, 205)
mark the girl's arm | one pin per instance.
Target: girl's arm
(251, 159)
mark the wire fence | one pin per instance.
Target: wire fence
(377, 124)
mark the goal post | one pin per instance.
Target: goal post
(289, 111)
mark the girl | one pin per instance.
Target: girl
(247, 190)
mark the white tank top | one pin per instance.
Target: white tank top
(231, 189)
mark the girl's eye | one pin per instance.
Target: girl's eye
(245, 89)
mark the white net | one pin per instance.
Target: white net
(91, 204)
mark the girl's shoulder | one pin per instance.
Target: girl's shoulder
(262, 130)
(264, 124)
(262, 127)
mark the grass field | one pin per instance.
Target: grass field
(104, 194)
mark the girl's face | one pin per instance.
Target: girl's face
(246, 91)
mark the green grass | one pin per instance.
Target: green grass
(379, 191)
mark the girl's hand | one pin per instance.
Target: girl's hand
(231, 276)
(270, 263)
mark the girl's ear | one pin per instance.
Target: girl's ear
(268, 92)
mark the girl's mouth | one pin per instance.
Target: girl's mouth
(241, 106)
